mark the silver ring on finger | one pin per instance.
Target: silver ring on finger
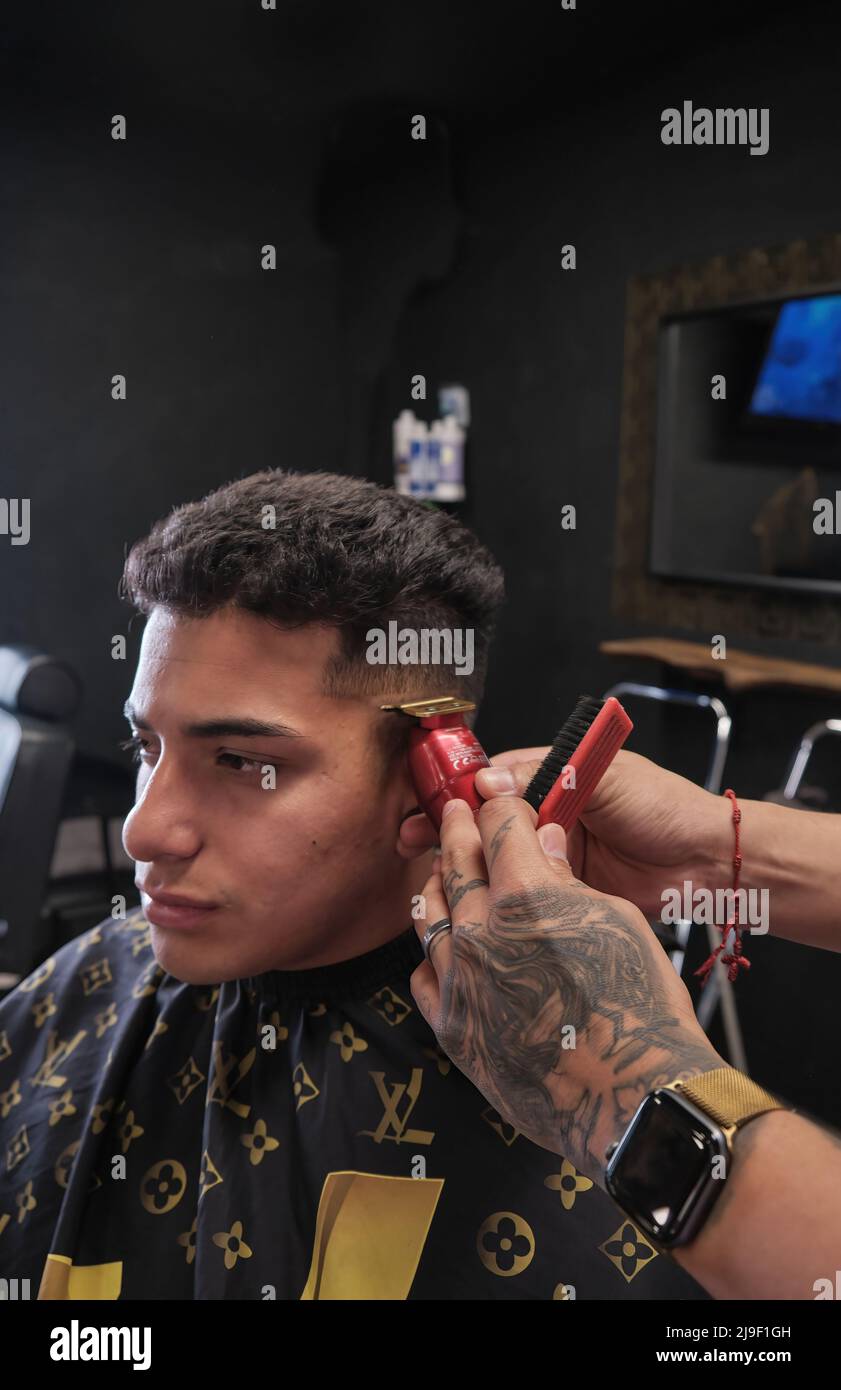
(435, 930)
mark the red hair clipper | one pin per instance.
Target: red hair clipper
(444, 754)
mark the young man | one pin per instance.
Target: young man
(229, 1092)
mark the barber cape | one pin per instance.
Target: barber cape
(294, 1135)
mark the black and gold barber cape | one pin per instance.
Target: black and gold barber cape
(295, 1135)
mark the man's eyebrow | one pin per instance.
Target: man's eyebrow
(229, 726)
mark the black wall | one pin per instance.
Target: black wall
(143, 259)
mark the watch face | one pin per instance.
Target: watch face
(662, 1173)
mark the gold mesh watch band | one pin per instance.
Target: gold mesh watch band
(728, 1096)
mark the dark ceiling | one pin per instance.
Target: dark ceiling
(231, 59)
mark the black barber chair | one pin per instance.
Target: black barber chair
(102, 791)
(39, 696)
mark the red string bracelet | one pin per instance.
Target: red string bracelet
(734, 959)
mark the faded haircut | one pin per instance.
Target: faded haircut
(320, 548)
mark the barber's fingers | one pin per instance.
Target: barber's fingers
(554, 842)
(461, 848)
(425, 982)
(509, 772)
(517, 858)
(460, 892)
(417, 833)
(463, 865)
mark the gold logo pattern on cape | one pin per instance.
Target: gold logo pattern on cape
(505, 1243)
(569, 1182)
(393, 1125)
(628, 1250)
(162, 1186)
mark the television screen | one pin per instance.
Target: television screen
(800, 375)
(737, 477)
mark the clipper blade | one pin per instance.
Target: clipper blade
(441, 704)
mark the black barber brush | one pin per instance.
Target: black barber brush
(582, 752)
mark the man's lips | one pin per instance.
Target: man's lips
(174, 909)
(174, 899)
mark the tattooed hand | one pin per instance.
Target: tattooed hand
(644, 829)
(556, 1000)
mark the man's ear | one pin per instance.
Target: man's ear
(416, 835)
(420, 836)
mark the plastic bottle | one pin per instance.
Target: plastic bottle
(402, 433)
(433, 458)
(454, 399)
(450, 483)
(417, 458)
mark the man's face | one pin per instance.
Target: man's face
(286, 877)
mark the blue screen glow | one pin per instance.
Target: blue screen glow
(800, 377)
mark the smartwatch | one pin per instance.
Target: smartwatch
(670, 1166)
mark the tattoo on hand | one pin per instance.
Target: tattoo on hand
(498, 837)
(548, 957)
(456, 891)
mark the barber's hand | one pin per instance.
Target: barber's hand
(555, 999)
(644, 829)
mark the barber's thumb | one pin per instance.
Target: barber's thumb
(554, 842)
(512, 779)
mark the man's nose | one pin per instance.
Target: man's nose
(164, 822)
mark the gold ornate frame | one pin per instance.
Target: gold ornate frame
(699, 607)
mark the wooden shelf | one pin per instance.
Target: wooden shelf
(738, 670)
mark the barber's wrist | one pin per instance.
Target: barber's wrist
(716, 843)
(717, 1245)
(684, 1149)
(694, 1056)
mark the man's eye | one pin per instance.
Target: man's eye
(137, 746)
(238, 763)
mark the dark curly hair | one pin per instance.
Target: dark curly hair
(342, 552)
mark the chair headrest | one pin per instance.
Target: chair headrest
(35, 684)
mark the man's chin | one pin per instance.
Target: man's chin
(187, 958)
